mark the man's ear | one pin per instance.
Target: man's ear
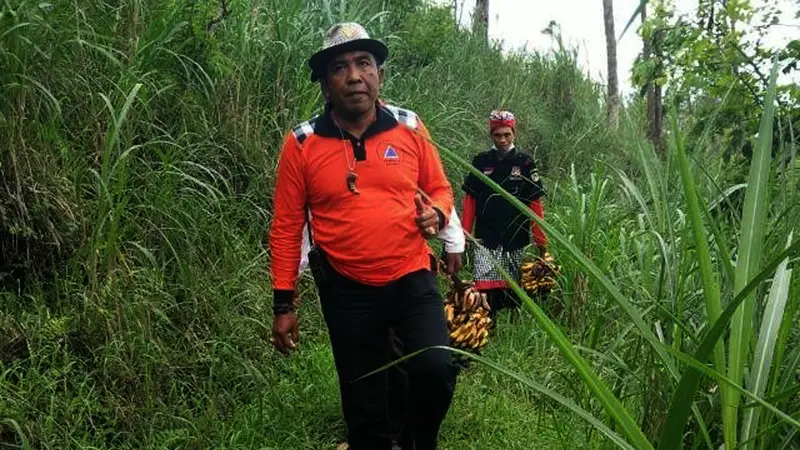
(381, 75)
(323, 85)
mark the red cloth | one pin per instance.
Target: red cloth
(539, 238)
(502, 123)
(484, 285)
(502, 119)
(468, 213)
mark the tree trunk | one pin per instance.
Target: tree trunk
(611, 52)
(480, 19)
(653, 98)
(654, 107)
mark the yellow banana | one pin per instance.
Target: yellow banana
(485, 302)
(459, 334)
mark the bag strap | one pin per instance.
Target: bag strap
(308, 224)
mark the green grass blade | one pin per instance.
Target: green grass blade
(569, 404)
(652, 170)
(779, 368)
(680, 407)
(634, 191)
(767, 336)
(528, 382)
(583, 262)
(592, 381)
(691, 378)
(785, 395)
(789, 377)
(790, 437)
(114, 128)
(720, 239)
(749, 255)
(123, 115)
(581, 259)
(695, 364)
(609, 401)
(24, 439)
(724, 195)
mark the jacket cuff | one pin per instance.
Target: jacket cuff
(455, 247)
(442, 218)
(282, 301)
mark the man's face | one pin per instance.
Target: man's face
(503, 138)
(353, 81)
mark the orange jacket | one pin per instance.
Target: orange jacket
(370, 237)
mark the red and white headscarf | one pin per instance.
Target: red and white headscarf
(499, 119)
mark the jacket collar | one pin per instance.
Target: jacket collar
(326, 126)
(494, 153)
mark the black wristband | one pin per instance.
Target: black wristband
(441, 218)
(282, 301)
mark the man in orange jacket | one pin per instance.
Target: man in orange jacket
(453, 239)
(358, 168)
(502, 229)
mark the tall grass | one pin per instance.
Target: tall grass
(755, 208)
(138, 151)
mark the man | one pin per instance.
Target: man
(454, 243)
(357, 168)
(501, 228)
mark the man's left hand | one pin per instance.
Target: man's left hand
(427, 219)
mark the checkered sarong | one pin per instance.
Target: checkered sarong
(486, 260)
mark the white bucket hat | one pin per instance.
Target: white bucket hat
(345, 37)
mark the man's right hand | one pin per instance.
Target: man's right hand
(427, 219)
(284, 332)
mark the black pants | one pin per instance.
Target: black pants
(359, 319)
(397, 395)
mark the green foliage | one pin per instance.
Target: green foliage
(702, 56)
(137, 153)
(425, 33)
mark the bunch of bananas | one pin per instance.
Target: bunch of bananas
(467, 313)
(539, 274)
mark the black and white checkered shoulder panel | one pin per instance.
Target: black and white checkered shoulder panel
(305, 129)
(405, 116)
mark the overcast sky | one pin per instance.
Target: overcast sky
(518, 23)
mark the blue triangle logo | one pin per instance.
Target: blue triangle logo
(390, 153)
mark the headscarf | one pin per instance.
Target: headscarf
(499, 119)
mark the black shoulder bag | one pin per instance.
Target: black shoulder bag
(316, 258)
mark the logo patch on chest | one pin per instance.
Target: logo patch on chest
(391, 154)
(516, 172)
